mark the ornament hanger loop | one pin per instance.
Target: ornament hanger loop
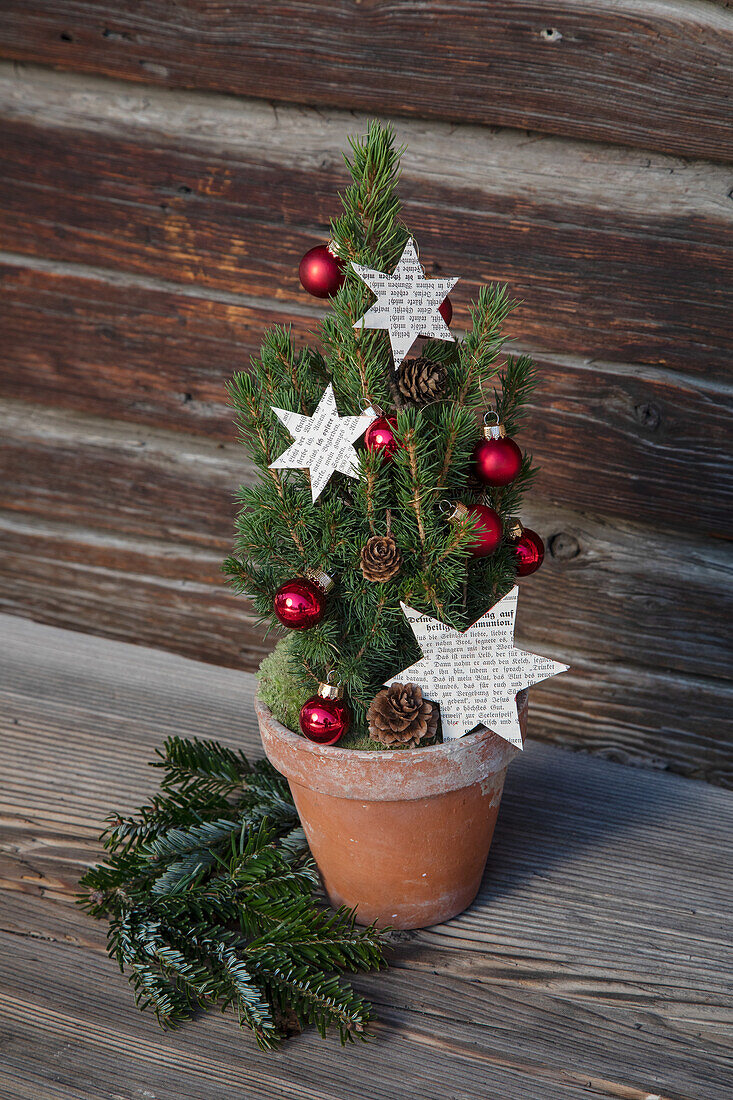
(492, 413)
(445, 506)
(331, 677)
(365, 406)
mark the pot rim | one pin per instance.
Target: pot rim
(384, 775)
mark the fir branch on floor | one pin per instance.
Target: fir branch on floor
(210, 894)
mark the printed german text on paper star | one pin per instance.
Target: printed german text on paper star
(407, 303)
(324, 442)
(475, 675)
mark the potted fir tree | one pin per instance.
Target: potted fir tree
(382, 534)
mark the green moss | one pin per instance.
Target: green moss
(356, 740)
(279, 687)
(281, 690)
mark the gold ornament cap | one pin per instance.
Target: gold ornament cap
(493, 431)
(454, 510)
(333, 248)
(514, 528)
(328, 690)
(319, 578)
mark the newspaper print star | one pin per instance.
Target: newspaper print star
(323, 442)
(407, 303)
(475, 675)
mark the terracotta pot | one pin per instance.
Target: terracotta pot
(402, 835)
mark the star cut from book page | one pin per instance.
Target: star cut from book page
(323, 442)
(474, 676)
(407, 303)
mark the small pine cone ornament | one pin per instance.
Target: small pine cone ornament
(380, 559)
(399, 717)
(421, 381)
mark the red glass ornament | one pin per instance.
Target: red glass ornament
(321, 271)
(497, 460)
(488, 531)
(529, 550)
(300, 603)
(325, 718)
(380, 436)
(487, 524)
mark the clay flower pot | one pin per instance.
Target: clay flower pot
(402, 835)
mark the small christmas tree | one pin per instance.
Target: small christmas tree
(376, 486)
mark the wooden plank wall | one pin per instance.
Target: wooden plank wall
(165, 167)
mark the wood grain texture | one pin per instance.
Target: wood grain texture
(149, 354)
(593, 963)
(629, 262)
(654, 75)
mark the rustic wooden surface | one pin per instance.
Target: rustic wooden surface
(654, 74)
(149, 235)
(225, 195)
(595, 963)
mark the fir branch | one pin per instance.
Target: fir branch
(482, 343)
(185, 761)
(208, 909)
(518, 382)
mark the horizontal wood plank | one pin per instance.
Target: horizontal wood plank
(600, 936)
(597, 244)
(653, 75)
(153, 355)
(149, 592)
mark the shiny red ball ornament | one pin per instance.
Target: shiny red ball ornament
(488, 528)
(325, 717)
(301, 602)
(380, 436)
(321, 271)
(497, 458)
(529, 549)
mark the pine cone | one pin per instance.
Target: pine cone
(399, 717)
(421, 381)
(380, 558)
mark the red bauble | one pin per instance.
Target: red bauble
(299, 603)
(529, 550)
(321, 271)
(380, 436)
(325, 720)
(497, 461)
(488, 530)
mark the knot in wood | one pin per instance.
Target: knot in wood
(563, 546)
(648, 415)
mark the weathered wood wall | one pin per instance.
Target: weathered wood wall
(149, 234)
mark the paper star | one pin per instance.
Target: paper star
(323, 442)
(475, 675)
(407, 303)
